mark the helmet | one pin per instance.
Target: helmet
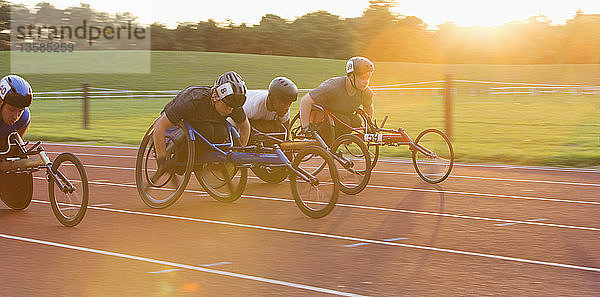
(359, 65)
(283, 89)
(231, 88)
(15, 91)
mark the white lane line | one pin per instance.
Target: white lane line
(390, 172)
(356, 244)
(395, 239)
(215, 264)
(347, 238)
(501, 166)
(98, 155)
(429, 190)
(179, 265)
(509, 224)
(500, 179)
(104, 204)
(377, 209)
(164, 271)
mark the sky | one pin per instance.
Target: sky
(464, 13)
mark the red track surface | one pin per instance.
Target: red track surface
(487, 230)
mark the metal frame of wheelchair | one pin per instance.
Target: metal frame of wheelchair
(345, 165)
(16, 180)
(222, 172)
(374, 136)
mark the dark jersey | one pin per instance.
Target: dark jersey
(332, 95)
(20, 124)
(194, 105)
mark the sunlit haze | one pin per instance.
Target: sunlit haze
(461, 12)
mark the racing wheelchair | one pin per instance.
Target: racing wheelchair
(432, 152)
(349, 152)
(66, 176)
(222, 169)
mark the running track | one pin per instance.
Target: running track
(487, 230)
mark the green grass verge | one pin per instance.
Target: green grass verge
(557, 130)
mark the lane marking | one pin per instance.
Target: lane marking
(428, 190)
(374, 208)
(395, 239)
(347, 238)
(356, 244)
(509, 224)
(164, 271)
(390, 172)
(502, 166)
(215, 264)
(179, 265)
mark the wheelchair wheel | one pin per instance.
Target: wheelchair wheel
(275, 176)
(318, 119)
(164, 191)
(433, 169)
(355, 177)
(223, 181)
(16, 189)
(315, 200)
(69, 206)
(374, 152)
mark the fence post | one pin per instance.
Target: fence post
(85, 105)
(448, 94)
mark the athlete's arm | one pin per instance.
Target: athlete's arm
(369, 110)
(161, 125)
(306, 104)
(244, 131)
(23, 130)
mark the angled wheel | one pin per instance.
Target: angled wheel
(434, 166)
(316, 199)
(164, 191)
(16, 189)
(274, 176)
(355, 173)
(374, 152)
(222, 181)
(69, 204)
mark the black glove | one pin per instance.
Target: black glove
(163, 166)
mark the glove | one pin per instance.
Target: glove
(164, 165)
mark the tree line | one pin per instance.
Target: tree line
(378, 33)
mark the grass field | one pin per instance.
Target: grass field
(559, 130)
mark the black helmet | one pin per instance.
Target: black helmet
(283, 89)
(231, 88)
(15, 91)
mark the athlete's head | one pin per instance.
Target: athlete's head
(282, 93)
(15, 96)
(359, 70)
(229, 92)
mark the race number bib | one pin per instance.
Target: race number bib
(4, 88)
(373, 137)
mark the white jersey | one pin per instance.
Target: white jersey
(256, 107)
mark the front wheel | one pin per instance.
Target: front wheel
(356, 173)
(316, 199)
(433, 156)
(70, 203)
